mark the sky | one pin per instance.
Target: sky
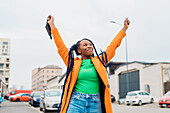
(23, 22)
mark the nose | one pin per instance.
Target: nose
(90, 46)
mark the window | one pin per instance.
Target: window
(4, 53)
(7, 65)
(13, 92)
(132, 94)
(1, 72)
(5, 43)
(140, 93)
(145, 93)
(6, 79)
(1, 65)
(7, 59)
(168, 73)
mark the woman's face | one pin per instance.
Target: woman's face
(85, 48)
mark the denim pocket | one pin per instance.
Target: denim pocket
(75, 97)
(96, 99)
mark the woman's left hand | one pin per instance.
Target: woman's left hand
(126, 24)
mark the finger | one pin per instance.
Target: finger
(128, 22)
(48, 19)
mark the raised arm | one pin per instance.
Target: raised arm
(110, 51)
(62, 49)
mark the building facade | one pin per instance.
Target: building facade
(151, 77)
(56, 82)
(41, 75)
(4, 64)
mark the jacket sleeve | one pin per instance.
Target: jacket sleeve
(110, 51)
(62, 49)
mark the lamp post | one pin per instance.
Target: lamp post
(127, 74)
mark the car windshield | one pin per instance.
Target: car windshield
(13, 92)
(168, 94)
(131, 94)
(53, 93)
(38, 94)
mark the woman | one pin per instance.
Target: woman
(86, 88)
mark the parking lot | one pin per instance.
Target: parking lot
(121, 108)
(25, 107)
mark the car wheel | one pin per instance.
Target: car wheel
(41, 109)
(151, 100)
(128, 104)
(11, 100)
(17, 100)
(140, 103)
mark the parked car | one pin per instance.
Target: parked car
(30, 98)
(138, 97)
(1, 99)
(113, 99)
(165, 100)
(9, 98)
(34, 98)
(50, 99)
(20, 97)
(121, 100)
(14, 92)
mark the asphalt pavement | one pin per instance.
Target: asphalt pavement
(16, 107)
(24, 107)
(145, 108)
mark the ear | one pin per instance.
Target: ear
(79, 51)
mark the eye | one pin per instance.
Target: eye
(85, 44)
(90, 44)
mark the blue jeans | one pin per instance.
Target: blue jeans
(84, 103)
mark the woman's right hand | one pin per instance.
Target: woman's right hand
(50, 21)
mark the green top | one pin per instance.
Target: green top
(88, 80)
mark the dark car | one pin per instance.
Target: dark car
(113, 99)
(34, 99)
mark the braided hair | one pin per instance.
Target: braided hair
(73, 48)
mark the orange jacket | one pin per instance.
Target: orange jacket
(105, 90)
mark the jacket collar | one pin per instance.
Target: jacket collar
(97, 65)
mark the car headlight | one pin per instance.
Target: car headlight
(34, 99)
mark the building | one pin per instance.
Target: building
(41, 75)
(56, 82)
(151, 77)
(4, 64)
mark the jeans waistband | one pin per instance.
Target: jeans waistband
(86, 95)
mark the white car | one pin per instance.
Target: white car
(138, 97)
(50, 100)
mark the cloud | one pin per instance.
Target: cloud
(24, 23)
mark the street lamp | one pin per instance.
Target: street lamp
(127, 75)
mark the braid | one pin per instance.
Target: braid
(69, 69)
(71, 64)
(95, 51)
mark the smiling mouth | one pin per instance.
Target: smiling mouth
(90, 50)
